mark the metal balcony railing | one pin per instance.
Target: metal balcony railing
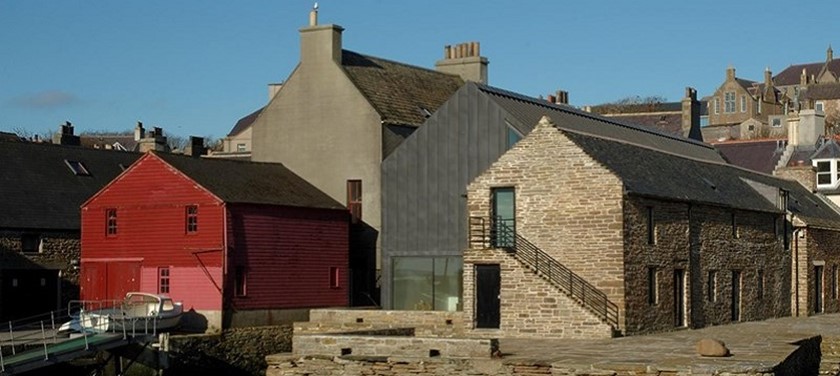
(500, 233)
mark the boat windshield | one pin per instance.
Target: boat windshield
(167, 305)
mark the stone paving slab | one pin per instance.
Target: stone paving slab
(755, 346)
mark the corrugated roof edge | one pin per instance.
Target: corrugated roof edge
(578, 112)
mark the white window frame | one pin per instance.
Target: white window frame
(729, 102)
(832, 171)
(743, 103)
(717, 105)
(819, 106)
(240, 147)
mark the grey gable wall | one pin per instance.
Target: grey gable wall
(424, 180)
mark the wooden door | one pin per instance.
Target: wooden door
(94, 281)
(487, 296)
(123, 277)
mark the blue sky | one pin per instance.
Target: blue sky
(195, 67)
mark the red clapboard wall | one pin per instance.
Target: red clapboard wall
(150, 199)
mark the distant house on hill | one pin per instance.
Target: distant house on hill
(239, 243)
(44, 186)
(745, 109)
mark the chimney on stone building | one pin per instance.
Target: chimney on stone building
(320, 44)
(464, 60)
(153, 140)
(829, 54)
(805, 129)
(65, 135)
(139, 131)
(196, 147)
(730, 73)
(691, 115)
(769, 90)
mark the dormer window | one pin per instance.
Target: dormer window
(827, 174)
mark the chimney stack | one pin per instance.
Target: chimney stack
(196, 147)
(730, 73)
(154, 140)
(829, 54)
(464, 60)
(562, 97)
(65, 135)
(139, 131)
(691, 115)
(320, 44)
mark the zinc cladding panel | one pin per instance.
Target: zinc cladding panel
(287, 253)
(425, 179)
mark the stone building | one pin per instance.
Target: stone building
(580, 235)
(745, 109)
(44, 185)
(684, 118)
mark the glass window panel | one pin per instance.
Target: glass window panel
(447, 287)
(413, 283)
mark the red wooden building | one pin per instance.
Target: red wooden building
(239, 243)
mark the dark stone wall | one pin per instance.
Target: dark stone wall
(238, 351)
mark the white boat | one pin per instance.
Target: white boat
(138, 312)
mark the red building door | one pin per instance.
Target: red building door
(109, 280)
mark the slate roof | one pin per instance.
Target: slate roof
(757, 155)
(245, 122)
(6, 136)
(636, 108)
(670, 123)
(528, 111)
(402, 94)
(40, 191)
(829, 150)
(791, 74)
(251, 182)
(649, 172)
(823, 91)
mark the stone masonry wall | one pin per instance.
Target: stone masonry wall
(530, 305)
(57, 251)
(821, 248)
(567, 204)
(393, 346)
(700, 240)
(424, 323)
(805, 175)
(239, 351)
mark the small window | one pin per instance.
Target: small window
(776, 122)
(78, 168)
(834, 277)
(354, 200)
(729, 102)
(717, 105)
(704, 120)
(163, 280)
(241, 281)
(824, 173)
(192, 219)
(743, 103)
(334, 277)
(760, 287)
(513, 136)
(651, 226)
(111, 222)
(819, 106)
(30, 243)
(711, 286)
(735, 233)
(240, 147)
(43, 282)
(652, 293)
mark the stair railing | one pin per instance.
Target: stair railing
(496, 232)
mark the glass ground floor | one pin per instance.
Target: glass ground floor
(427, 283)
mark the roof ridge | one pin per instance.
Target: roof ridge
(69, 147)
(574, 111)
(402, 63)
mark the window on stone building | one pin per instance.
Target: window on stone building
(30, 243)
(735, 233)
(711, 286)
(240, 147)
(819, 106)
(717, 105)
(729, 102)
(834, 277)
(651, 226)
(652, 286)
(776, 122)
(513, 136)
(354, 200)
(743, 103)
(192, 219)
(163, 280)
(111, 222)
(760, 287)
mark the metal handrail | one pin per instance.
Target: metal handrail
(501, 233)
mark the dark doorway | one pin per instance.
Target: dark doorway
(487, 290)
(28, 293)
(504, 217)
(736, 295)
(679, 297)
(818, 289)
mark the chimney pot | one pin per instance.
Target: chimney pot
(552, 99)
(313, 15)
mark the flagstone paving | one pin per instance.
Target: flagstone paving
(755, 346)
